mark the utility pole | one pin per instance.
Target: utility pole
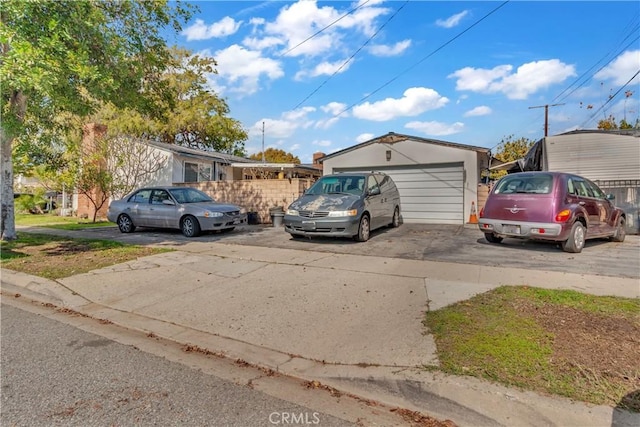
(263, 142)
(546, 116)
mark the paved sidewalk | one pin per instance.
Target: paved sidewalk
(348, 321)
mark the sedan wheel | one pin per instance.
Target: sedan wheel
(364, 229)
(576, 240)
(395, 222)
(125, 224)
(190, 226)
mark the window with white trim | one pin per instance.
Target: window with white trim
(197, 172)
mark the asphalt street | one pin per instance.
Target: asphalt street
(56, 374)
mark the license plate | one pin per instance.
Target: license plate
(308, 225)
(236, 221)
(510, 229)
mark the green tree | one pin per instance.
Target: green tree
(70, 56)
(276, 155)
(509, 150)
(608, 123)
(197, 119)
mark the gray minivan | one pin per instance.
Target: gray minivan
(345, 205)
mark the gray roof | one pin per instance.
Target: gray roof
(393, 137)
(192, 152)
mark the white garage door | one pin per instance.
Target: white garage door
(429, 194)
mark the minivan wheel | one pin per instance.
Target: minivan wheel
(395, 222)
(492, 238)
(190, 226)
(575, 242)
(620, 232)
(125, 224)
(364, 229)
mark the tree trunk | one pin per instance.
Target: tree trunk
(18, 108)
(8, 220)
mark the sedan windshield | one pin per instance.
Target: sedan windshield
(189, 195)
(352, 184)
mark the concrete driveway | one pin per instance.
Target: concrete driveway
(449, 243)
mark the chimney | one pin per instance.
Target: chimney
(316, 157)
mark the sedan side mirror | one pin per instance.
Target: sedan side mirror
(168, 202)
(611, 197)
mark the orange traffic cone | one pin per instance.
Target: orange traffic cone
(473, 217)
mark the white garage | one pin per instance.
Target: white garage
(437, 180)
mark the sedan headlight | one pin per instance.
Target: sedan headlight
(209, 214)
(352, 212)
(292, 212)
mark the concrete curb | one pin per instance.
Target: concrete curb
(466, 401)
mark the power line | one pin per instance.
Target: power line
(610, 98)
(546, 116)
(632, 28)
(344, 64)
(405, 71)
(328, 26)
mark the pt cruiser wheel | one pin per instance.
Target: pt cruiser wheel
(575, 242)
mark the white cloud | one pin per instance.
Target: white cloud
(285, 126)
(242, 69)
(528, 78)
(322, 143)
(482, 110)
(273, 128)
(335, 108)
(416, 100)
(299, 23)
(200, 31)
(621, 69)
(261, 43)
(479, 79)
(332, 108)
(294, 147)
(324, 68)
(393, 50)
(363, 137)
(436, 128)
(299, 114)
(452, 21)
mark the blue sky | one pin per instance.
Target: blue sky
(323, 76)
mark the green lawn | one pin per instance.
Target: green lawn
(581, 346)
(56, 221)
(56, 257)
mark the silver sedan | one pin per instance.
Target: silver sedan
(184, 208)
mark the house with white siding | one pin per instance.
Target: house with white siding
(437, 180)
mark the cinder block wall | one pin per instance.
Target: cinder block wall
(257, 195)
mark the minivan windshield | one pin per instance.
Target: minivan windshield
(529, 184)
(352, 184)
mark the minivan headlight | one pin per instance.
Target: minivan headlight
(292, 212)
(352, 212)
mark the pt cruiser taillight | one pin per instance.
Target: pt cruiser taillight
(563, 215)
